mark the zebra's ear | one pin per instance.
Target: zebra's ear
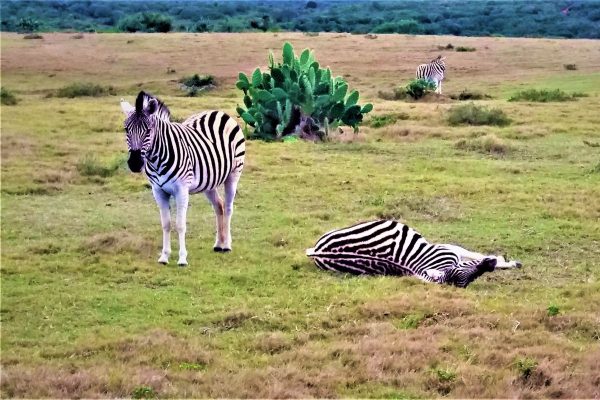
(126, 107)
(152, 106)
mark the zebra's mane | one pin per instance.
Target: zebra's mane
(142, 101)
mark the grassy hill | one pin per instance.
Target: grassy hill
(87, 312)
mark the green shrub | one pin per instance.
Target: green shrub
(418, 88)
(80, 89)
(396, 94)
(489, 144)
(463, 49)
(144, 392)
(525, 366)
(7, 97)
(468, 95)
(379, 121)
(146, 22)
(195, 84)
(444, 374)
(553, 310)
(470, 114)
(90, 166)
(544, 96)
(297, 97)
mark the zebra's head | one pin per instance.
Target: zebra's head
(440, 61)
(469, 271)
(139, 127)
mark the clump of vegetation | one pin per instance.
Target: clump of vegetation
(468, 95)
(544, 96)
(27, 25)
(33, 36)
(263, 25)
(471, 114)
(410, 321)
(146, 22)
(525, 366)
(464, 49)
(192, 366)
(7, 98)
(379, 121)
(83, 89)
(90, 166)
(370, 36)
(449, 46)
(311, 34)
(570, 67)
(553, 310)
(195, 84)
(144, 392)
(489, 144)
(417, 88)
(77, 36)
(297, 97)
(398, 93)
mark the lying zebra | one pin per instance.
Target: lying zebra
(387, 247)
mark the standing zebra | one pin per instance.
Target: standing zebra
(197, 155)
(387, 247)
(434, 72)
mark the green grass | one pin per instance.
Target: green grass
(84, 89)
(87, 312)
(544, 96)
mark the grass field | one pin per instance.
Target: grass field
(87, 312)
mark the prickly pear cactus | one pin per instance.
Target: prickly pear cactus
(297, 97)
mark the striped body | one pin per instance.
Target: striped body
(433, 71)
(387, 247)
(200, 153)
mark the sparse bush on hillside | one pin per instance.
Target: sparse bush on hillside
(468, 95)
(525, 367)
(489, 144)
(417, 88)
(464, 49)
(7, 98)
(544, 96)
(378, 121)
(470, 114)
(90, 166)
(146, 22)
(570, 67)
(196, 84)
(33, 36)
(297, 97)
(82, 89)
(449, 46)
(398, 93)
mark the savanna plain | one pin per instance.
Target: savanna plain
(87, 312)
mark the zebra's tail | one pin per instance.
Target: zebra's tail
(310, 252)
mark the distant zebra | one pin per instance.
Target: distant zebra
(434, 71)
(387, 247)
(197, 155)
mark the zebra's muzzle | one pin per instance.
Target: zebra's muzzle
(135, 161)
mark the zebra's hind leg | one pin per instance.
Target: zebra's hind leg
(230, 190)
(162, 199)
(463, 253)
(182, 200)
(217, 203)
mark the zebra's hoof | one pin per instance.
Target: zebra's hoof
(163, 262)
(182, 263)
(217, 249)
(518, 264)
(225, 250)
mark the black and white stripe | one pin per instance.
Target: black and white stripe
(199, 155)
(387, 247)
(433, 71)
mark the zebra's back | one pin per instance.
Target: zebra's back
(384, 247)
(204, 150)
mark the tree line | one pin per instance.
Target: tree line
(535, 18)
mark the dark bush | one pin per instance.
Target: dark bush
(449, 46)
(198, 80)
(379, 121)
(84, 90)
(396, 94)
(570, 67)
(7, 97)
(417, 88)
(33, 36)
(311, 4)
(468, 95)
(146, 22)
(544, 96)
(470, 114)
(465, 49)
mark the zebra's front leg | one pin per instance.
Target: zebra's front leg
(439, 85)
(230, 190)
(162, 199)
(501, 262)
(217, 203)
(182, 200)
